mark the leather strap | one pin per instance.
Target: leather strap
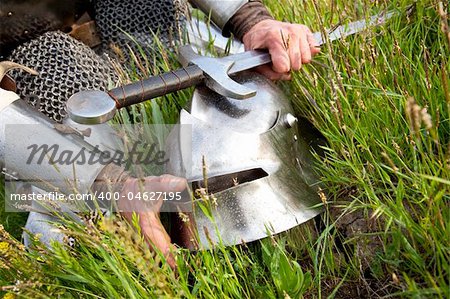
(86, 31)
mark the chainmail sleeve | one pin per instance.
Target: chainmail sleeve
(132, 24)
(65, 67)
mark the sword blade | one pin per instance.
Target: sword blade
(247, 60)
(354, 27)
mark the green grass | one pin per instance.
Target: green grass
(385, 231)
(382, 160)
(13, 222)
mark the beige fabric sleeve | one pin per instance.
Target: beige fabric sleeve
(7, 98)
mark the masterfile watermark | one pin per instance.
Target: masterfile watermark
(140, 153)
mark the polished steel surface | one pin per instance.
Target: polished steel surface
(216, 78)
(20, 127)
(220, 11)
(91, 107)
(217, 70)
(258, 169)
(354, 27)
(200, 35)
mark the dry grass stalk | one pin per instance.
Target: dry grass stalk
(444, 21)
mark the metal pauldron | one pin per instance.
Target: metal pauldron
(28, 127)
(220, 11)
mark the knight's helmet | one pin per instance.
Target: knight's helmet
(257, 161)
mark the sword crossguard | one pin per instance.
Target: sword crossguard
(216, 72)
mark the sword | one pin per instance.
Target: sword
(93, 107)
(251, 59)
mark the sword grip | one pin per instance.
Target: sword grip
(156, 86)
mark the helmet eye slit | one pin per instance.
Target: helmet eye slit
(226, 181)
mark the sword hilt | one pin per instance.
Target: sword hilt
(156, 86)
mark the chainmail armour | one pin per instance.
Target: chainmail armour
(65, 67)
(132, 24)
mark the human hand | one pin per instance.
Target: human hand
(149, 221)
(289, 45)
